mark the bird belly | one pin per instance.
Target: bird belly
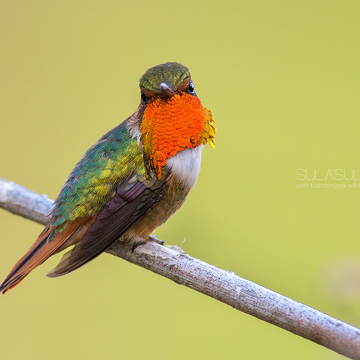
(185, 165)
(169, 204)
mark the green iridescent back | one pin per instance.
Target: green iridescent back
(90, 184)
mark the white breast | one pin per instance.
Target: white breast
(185, 165)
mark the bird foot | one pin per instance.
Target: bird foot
(155, 239)
(151, 238)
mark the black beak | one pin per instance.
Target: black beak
(166, 90)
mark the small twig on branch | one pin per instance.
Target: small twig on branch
(222, 285)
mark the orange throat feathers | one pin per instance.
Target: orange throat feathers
(174, 124)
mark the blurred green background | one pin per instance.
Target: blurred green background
(283, 82)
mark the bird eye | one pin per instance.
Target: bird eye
(190, 89)
(144, 98)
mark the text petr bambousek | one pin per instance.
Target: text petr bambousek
(317, 177)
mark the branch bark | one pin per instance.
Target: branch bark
(225, 286)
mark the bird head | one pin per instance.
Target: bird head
(164, 80)
(173, 117)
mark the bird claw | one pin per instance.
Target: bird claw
(155, 239)
(137, 244)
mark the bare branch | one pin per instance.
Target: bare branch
(222, 285)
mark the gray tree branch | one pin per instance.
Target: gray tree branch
(225, 286)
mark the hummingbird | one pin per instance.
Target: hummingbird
(129, 182)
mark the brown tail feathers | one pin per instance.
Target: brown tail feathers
(42, 249)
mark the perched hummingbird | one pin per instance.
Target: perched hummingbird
(131, 181)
